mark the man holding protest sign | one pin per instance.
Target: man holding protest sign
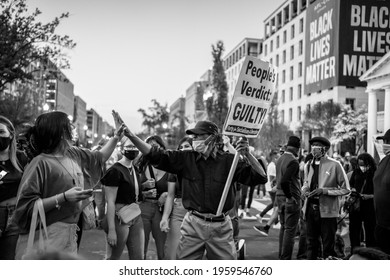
(204, 172)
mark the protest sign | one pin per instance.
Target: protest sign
(252, 98)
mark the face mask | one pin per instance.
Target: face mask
(199, 146)
(318, 152)
(4, 143)
(363, 168)
(130, 155)
(386, 148)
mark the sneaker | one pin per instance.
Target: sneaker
(259, 218)
(261, 230)
(248, 214)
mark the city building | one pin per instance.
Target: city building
(195, 96)
(378, 84)
(80, 119)
(233, 60)
(321, 48)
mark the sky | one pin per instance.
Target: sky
(130, 52)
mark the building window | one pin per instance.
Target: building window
(283, 96)
(292, 31)
(301, 25)
(350, 102)
(284, 56)
(308, 108)
(277, 60)
(277, 41)
(271, 47)
(299, 91)
(265, 49)
(270, 61)
(291, 73)
(291, 94)
(283, 76)
(300, 69)
(290, 112)
(300, 47)
(299, 113)
(284, 36)
(282, 116)
(292, 52)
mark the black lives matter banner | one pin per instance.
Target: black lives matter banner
(364, 37)
(344, 38)
(252, 98)
(321, 40)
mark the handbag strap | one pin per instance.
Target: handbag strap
(38, 211)
(151, 172)
(135, 183)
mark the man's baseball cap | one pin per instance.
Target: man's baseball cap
(385, 136)
(203, 127)
(321, 140)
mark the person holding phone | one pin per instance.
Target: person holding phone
(155, 191)
(61, 175)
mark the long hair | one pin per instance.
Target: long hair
(52, 132)
(12, 147)
(368, 161)
(184, 139)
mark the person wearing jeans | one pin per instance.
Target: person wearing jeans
(287, 178)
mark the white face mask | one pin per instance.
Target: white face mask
(363, 168)
(386, 148)
(199, 146)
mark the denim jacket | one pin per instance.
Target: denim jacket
(332, 177)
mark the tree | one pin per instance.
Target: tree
(273, 133)
(351, 125)
(24, 42)
(18, 108)
(321, 117)
(157, 120)
(217, 104)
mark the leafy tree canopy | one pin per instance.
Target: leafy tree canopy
(24, 41)
(321, 117)
(156, 117)
(217, 104)
(351, 124)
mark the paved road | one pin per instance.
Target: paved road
(258, 247)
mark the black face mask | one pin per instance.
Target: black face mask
(130, 155)
(4, 143)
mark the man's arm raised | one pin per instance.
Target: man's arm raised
(143, 147)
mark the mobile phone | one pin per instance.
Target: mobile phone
(2, 174)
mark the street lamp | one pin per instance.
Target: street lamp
(46, 107)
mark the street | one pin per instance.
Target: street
(258, 247)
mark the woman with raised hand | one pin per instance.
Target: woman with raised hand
(155, 190)
(174, 210)
(62, 176)
(122, 189)
(12, 163)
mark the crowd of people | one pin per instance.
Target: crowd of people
(140, 189)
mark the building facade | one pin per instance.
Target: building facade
(321, 48)
(233, 60)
